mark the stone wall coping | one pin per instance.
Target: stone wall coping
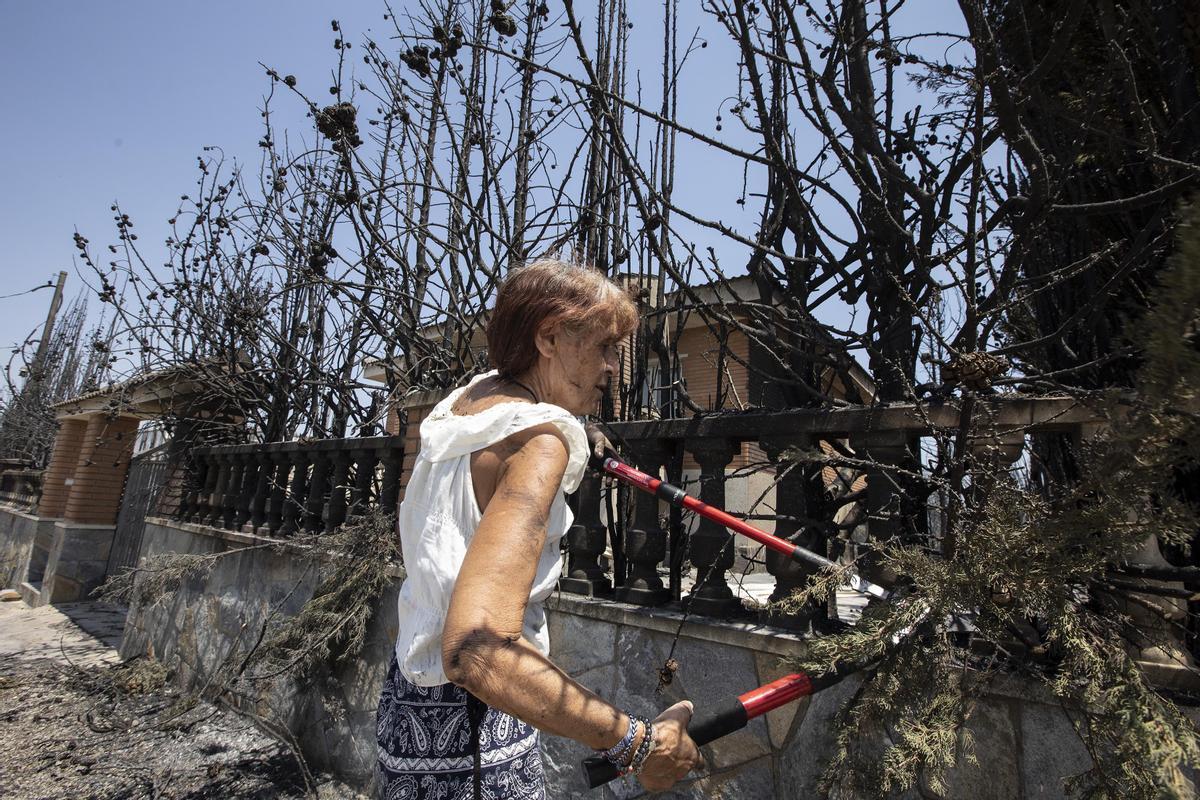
(309, 445)
(1023, 689)
(1000, 414)
(752, 636)
(82, 526)
(239, 537)
(17, 510)
(428, 397)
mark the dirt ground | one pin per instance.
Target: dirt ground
(75, 722)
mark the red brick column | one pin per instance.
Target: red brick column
(411, 431)
(393, 425)
(64, 459)
(100, 473)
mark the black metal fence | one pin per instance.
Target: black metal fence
(143, 485)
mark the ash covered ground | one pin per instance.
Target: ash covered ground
(75, 722)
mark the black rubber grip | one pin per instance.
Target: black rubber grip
(722, 722)
(708, 728)
(671, 493)
(804, 556)
(598, 771)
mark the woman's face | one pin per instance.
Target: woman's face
(580, 367)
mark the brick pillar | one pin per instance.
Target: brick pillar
(411, 431)
(64, 459)
(100, 473)
(393, 426)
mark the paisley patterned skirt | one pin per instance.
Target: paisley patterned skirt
(426, 752)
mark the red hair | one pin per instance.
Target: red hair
(577, 297)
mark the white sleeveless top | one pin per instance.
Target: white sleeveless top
(439, 516)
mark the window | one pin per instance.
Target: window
(659, 398)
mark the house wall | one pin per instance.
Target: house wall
(701, 363)
(394, 424)
(708, 381)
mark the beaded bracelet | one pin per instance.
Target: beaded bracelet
(639, 758)
(616, 754)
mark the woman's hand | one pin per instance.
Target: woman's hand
(601, 448)
(674, 754)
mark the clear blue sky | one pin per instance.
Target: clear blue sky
(114, 101)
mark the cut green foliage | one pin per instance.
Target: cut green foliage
(332, 625)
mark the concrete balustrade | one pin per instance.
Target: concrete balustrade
(284, 488)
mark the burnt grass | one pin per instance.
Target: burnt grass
(119, 731)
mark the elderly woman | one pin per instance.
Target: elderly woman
(471, 685)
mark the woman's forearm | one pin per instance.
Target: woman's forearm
(511, 675)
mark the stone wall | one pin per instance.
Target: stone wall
(210, 622)
(1025, 744)
(78, 561)
(18, 536)
(50, 560)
